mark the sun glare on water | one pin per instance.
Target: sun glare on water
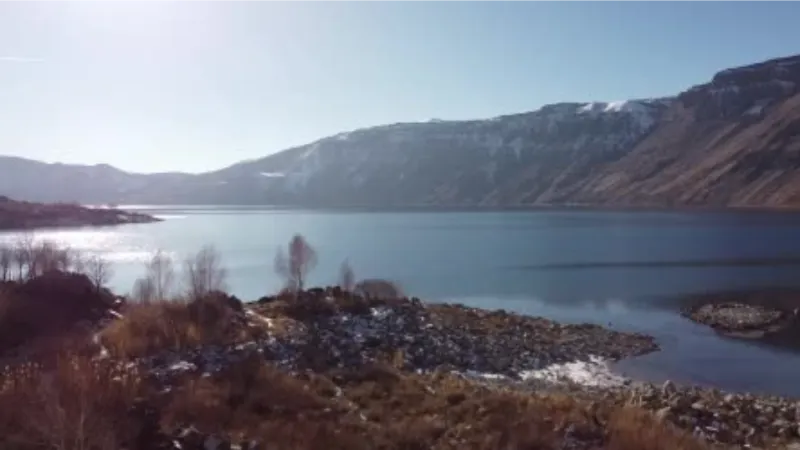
(111, 245)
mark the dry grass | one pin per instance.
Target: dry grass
(75, 404)
(84, 405)
(78, 404)
(380, 408)
(633, 429)
(172, 325)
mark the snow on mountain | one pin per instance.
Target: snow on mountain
(410, 161)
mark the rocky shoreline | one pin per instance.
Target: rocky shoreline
(321, 331)
(365, 356)
(18, 215)
(325, 330)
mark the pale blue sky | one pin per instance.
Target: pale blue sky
(196, 86)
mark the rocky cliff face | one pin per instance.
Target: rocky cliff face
(732, 141)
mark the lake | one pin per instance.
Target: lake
(618, 269)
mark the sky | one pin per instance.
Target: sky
(196, 86)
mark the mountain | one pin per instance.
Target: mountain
(505, 160)
(36, 181)
(733, 141)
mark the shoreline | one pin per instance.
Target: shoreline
(345, 340)
(20, 216)
(347, 336)
(782, 210)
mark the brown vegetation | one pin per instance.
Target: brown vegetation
(49, 305)
(86, 405)
(77, 404)
(147, 328)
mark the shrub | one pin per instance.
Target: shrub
(49, 305)
(151, 327)
(76, 404)
(378, 288)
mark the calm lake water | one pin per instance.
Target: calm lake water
(621, 268)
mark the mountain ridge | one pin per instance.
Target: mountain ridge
(731, 141)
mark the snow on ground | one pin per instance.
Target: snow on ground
(595, 372)
(252, 315)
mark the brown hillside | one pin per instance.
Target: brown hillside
(734, 144)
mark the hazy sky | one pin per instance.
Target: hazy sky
(194, 86)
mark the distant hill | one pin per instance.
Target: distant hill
(734, 141)
(31, 180)
(16, 215)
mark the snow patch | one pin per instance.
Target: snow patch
(595, 372)
(756, 109)
(272, 174)
(640, 111)
(266, 320)
(182, 366)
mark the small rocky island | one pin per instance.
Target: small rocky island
(20, 215)
(768, 315)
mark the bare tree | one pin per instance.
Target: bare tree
(144, 290)
(6, 260)
(347, 279)
(23, 255)
(161, 274)
(67, 258)
(295, 267)
(204, 273)
(78, 262)
(46, 256)
(99, 271)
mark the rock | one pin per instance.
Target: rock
(781, 423)
(698, 406)
(215, 443)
